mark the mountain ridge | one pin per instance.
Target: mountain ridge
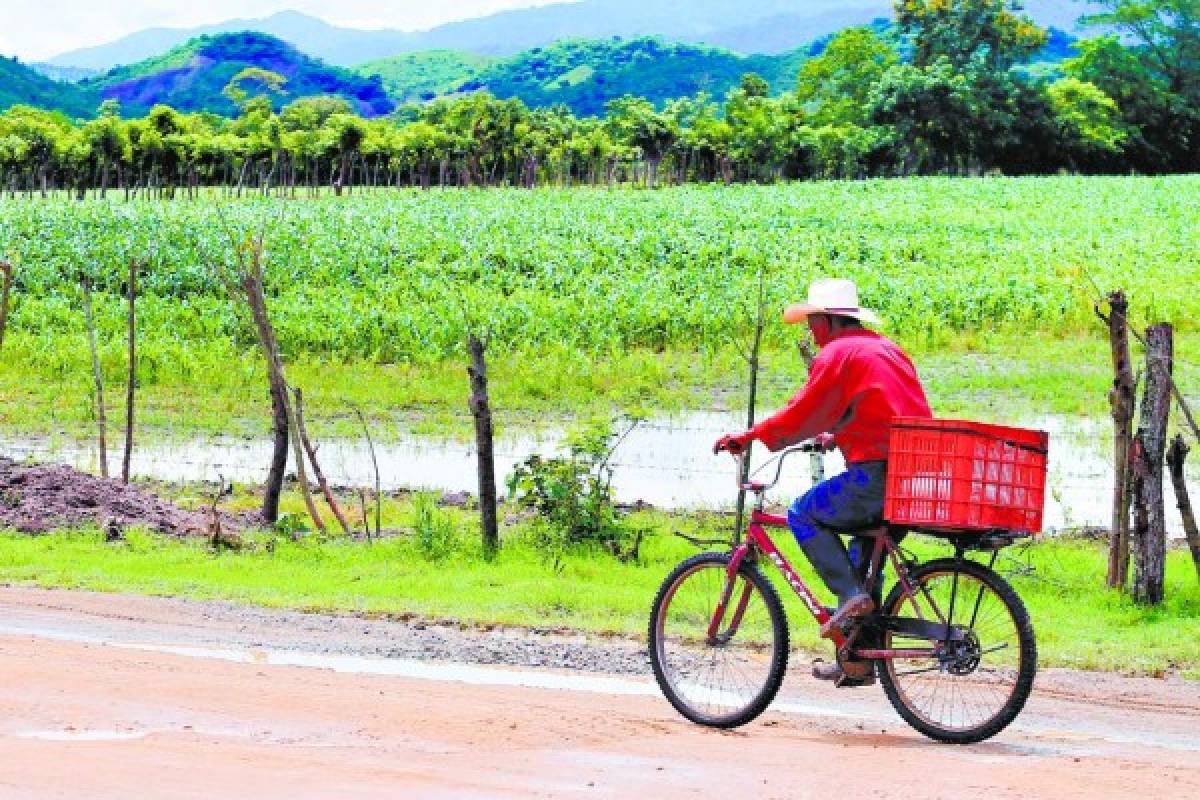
(748, 26)
(21, 84)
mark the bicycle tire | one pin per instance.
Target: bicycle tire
(1026, 667)
(778, 646)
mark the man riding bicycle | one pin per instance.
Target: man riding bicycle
(858, 383)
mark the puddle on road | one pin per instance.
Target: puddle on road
(441, 671)
(83, 736)
(666, 462)
(1050, 740)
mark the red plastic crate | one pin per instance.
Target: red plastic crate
(956, 475)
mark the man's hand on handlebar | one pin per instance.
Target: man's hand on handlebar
(732, 443)
(824, 442)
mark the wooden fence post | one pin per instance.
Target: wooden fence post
(1176, 457)
(97, 375)
(1150, 533)
(754, 362)
(1121, 400)
(7, 269)
(131, 383)
(481, 410)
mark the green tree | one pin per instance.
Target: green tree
(44, 136)
(311, 113)
(834, 87)
(108, 140)
(1155, 81)
(1088, 120)
(268, 81)
(345, 133)
(653, 133)
(1167, 33)
(990, 34)
(930, 109)
(763, 129)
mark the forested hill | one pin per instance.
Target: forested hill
(191, 77)
(585, 75)
(417, 77)
(22, 85)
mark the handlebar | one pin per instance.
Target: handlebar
(807, 446)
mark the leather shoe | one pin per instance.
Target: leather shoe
(856, 606)
(845, 675)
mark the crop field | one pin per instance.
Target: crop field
(634, 289)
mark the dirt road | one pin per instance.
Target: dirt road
(109, 696)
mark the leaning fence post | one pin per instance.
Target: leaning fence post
(1176, 457)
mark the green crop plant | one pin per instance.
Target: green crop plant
(577, 277)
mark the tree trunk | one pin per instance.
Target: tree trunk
(481, 410)
(97, 377)
(284, 414)
(1150, 530)
(7, 269)
(1176, 457)
(312, 459)
(340, 183)
(251, 279)
(1121, 401)
(131, 382)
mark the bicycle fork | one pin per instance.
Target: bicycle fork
(714, 634)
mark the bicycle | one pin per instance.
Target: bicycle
(952, 645)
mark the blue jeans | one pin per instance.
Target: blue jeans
(845, 503)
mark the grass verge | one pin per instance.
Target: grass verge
(440, 573)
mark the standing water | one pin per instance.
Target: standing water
(666, 462)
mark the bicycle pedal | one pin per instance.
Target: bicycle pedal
(847, 682)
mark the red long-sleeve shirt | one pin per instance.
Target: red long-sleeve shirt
(858, 383)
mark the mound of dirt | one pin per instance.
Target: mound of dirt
(41, 498)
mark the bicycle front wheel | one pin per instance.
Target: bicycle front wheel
(976, 681)
(727, 679)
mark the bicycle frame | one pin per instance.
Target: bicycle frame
(758, 541)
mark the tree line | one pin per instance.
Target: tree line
(948, 91)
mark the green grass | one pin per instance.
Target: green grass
(222, 391)
(1079, 623)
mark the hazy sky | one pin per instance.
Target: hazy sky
(34, 30)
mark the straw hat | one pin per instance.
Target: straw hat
(833, 296)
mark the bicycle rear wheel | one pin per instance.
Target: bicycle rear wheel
(978, 680)
(725, 680)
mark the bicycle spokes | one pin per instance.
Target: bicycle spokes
(972, 669)
(717, 645)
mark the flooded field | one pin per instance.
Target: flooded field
(666, 462)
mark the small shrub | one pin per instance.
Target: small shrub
(573, 496)
(291, 525)
(435, 533)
